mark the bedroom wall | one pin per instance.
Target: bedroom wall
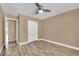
(12, 30)
(62, 28)
(1, 28)
(23, 27)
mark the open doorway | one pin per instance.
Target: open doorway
(32, 30)
(10, 31)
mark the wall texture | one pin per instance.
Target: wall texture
(12, 30)
(62, 28)
(1, 27)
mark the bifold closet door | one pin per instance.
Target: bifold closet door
(32, 30)
(12, 30)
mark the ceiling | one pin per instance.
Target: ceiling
(28, 9)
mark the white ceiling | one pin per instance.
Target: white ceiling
(28, 9)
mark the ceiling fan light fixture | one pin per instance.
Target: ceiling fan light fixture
(40, 11)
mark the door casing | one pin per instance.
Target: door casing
(6, 30)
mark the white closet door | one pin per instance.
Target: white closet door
(32, 30)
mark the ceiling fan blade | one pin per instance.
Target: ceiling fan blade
(38, 5)
(46, 10)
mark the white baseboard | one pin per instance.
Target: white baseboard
(23, 43)
(53, 42)
(61, 44)
(27, 42)
(1, 49)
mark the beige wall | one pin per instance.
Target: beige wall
(23, 27)
(1, 28)
(12, 30)
(62, 28)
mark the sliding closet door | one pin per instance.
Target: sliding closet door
(12, 30)
(32, 30)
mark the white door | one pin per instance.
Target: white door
(32, 30)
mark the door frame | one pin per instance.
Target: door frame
(6, 30)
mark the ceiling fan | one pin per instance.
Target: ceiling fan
(40, 9)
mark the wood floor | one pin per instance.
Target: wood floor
(39, 48)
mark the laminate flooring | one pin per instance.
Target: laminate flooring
(39, 48)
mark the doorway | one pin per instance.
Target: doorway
(10, 31)
(32, 30)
